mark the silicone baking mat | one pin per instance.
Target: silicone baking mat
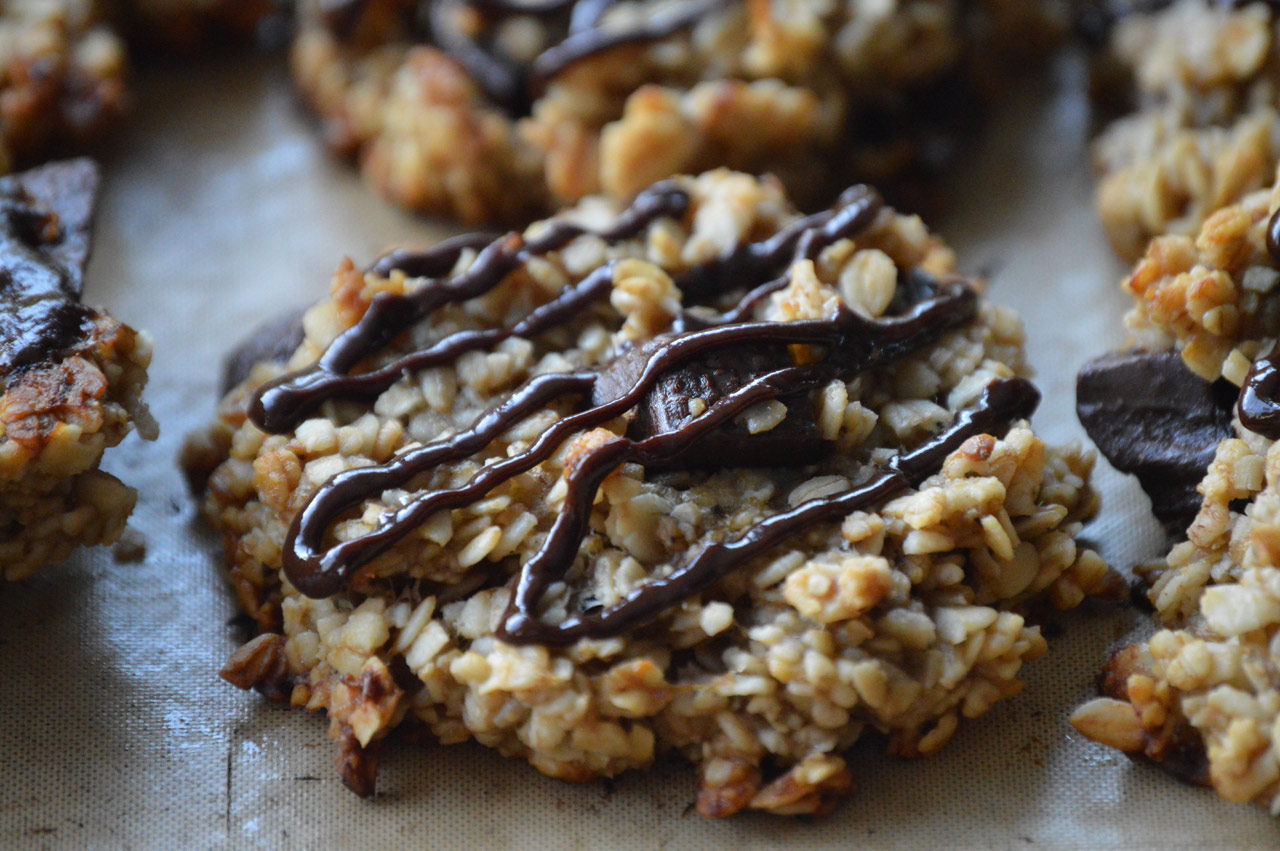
(220, 210)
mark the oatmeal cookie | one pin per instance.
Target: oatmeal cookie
(72, 376)
(1203, 80)
(494, 110)
(1197, 416)
(700, 476)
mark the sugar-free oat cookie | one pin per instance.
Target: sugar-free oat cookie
(1196, 414)
(697, 475)
(1203, 80)
(494, 110)
(70, 376)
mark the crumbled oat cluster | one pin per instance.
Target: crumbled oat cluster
(71, 377)
(1204, 79)
(1211, 295)
(1200, 697)
(903, 618)
(814, 91)
(56, 420)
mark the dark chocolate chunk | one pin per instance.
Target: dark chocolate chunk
(45, 239)
(273, 341)
(1153, 417)
(665, 409)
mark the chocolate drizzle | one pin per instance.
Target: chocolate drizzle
(1003, 401)
(45, 216)
(1259, 403)
(578, 29)
(756, 363)
(1258, 407)
(1273, 236)
(282, 404)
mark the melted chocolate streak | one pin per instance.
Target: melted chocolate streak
(513, 84)
(1259, 402)
(39, 310)
(1002, 401)
(854, 344)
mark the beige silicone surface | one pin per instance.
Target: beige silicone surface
(115, 731)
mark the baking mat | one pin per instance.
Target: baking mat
(220, 210)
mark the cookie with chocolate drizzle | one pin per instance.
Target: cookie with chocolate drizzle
(497, 110)
(1196, 416)
(70, 375)
(693, 474)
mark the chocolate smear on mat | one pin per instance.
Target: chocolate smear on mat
(1153, 417)
(1002, 402)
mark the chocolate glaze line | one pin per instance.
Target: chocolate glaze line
(569, 303)
(750, 265)
(824, 229)
(1002, 402)
(321, 572)
(434, 262)
(514, 84)
(1259, 402)
(502, 80)
(593, 40)
(285, 402)
(855, 344)
(1273, 236)
(282, 404)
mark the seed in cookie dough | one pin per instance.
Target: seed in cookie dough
(476, 499)
(71, 377)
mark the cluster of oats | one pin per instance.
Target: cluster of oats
(1212, 295)
(797, 89)
(904, 618)
(1205, 78)
(56, 420)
